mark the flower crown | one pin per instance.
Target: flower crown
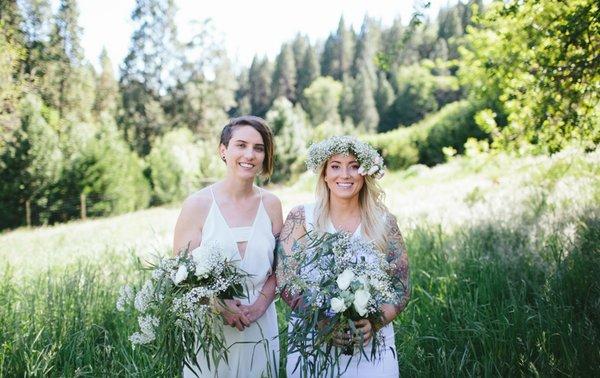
(371, 163)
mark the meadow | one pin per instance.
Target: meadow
(504, 257)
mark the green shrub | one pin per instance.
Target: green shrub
(106, 171)
(424, 141)
(174, 163)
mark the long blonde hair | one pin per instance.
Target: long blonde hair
(373, 212)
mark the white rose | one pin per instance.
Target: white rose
(372, 170)
(361, 298)
(364, 281)
(345, 279)
(181, 275)
(202, 268)
(338, 305)
(361, 170)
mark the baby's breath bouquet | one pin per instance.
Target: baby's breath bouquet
(339, 279)
(174, 306)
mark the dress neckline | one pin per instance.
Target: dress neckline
(230, 229)
(356, 232)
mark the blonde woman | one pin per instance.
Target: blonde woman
(348, 198)
(244, 219)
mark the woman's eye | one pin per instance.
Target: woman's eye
(259, 149)
(241, 145)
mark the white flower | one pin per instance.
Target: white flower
(125, 297)
(361, 171)
(338, 305)
(364, 281)
(372, 170)
(180, 275)
(361, 298)
(143, 297)
(367, 156)
(345, 279)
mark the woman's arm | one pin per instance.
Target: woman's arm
(398, 259)
(188, 229)
(293, 230)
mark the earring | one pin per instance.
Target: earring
(223, 158)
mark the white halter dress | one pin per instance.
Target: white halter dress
(254, 352)
(359, 367)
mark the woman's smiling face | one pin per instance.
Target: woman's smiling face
(245, 152)
(342, 177)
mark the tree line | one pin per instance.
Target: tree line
(515, 75)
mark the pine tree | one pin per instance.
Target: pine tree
(308, 71)
(145, 72)
(63, 61)
(384, 96)
(364, 113)
(328, 57)
(284, 75)
(346, 106)
(368, 44)
(107, 88)
(259, 80)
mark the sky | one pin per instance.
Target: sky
(245, 27)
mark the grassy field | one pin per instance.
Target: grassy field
(504, 256)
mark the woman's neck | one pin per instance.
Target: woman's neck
(344, 207)
(236, 188)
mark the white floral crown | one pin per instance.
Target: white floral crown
(371, 163)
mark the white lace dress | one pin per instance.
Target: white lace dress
(386, 367)
(254, 352)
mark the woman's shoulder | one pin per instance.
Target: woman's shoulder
(198, 202)
(299, 211)
(270, 199)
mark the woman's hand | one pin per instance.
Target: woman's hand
(232, 314)
(364, 331)
(254, 311)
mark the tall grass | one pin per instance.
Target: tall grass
(497, 301)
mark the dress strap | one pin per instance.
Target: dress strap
(260, 192)
(212, 194)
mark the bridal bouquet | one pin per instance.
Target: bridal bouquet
(174, 307)
(339, 279)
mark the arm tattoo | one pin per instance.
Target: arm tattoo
(398, 258)
(294, 219)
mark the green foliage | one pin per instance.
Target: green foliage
(10, 87)
(308, 70)
(284, 75)
(415, 96)
(424, 141)
(322, 99)
(179, 166)
(289, 124)
(259, 81)
(536, 64)
(364, 112)
(104, 169)
(30, 163)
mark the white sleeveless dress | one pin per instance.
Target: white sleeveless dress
(386, 366)
(254, 352)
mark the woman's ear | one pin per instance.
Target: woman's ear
(222, 150)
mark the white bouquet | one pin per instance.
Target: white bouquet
(174, 307)
(340, 280)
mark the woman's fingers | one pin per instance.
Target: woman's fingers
(364, 330)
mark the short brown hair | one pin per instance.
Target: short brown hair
(263, 129)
